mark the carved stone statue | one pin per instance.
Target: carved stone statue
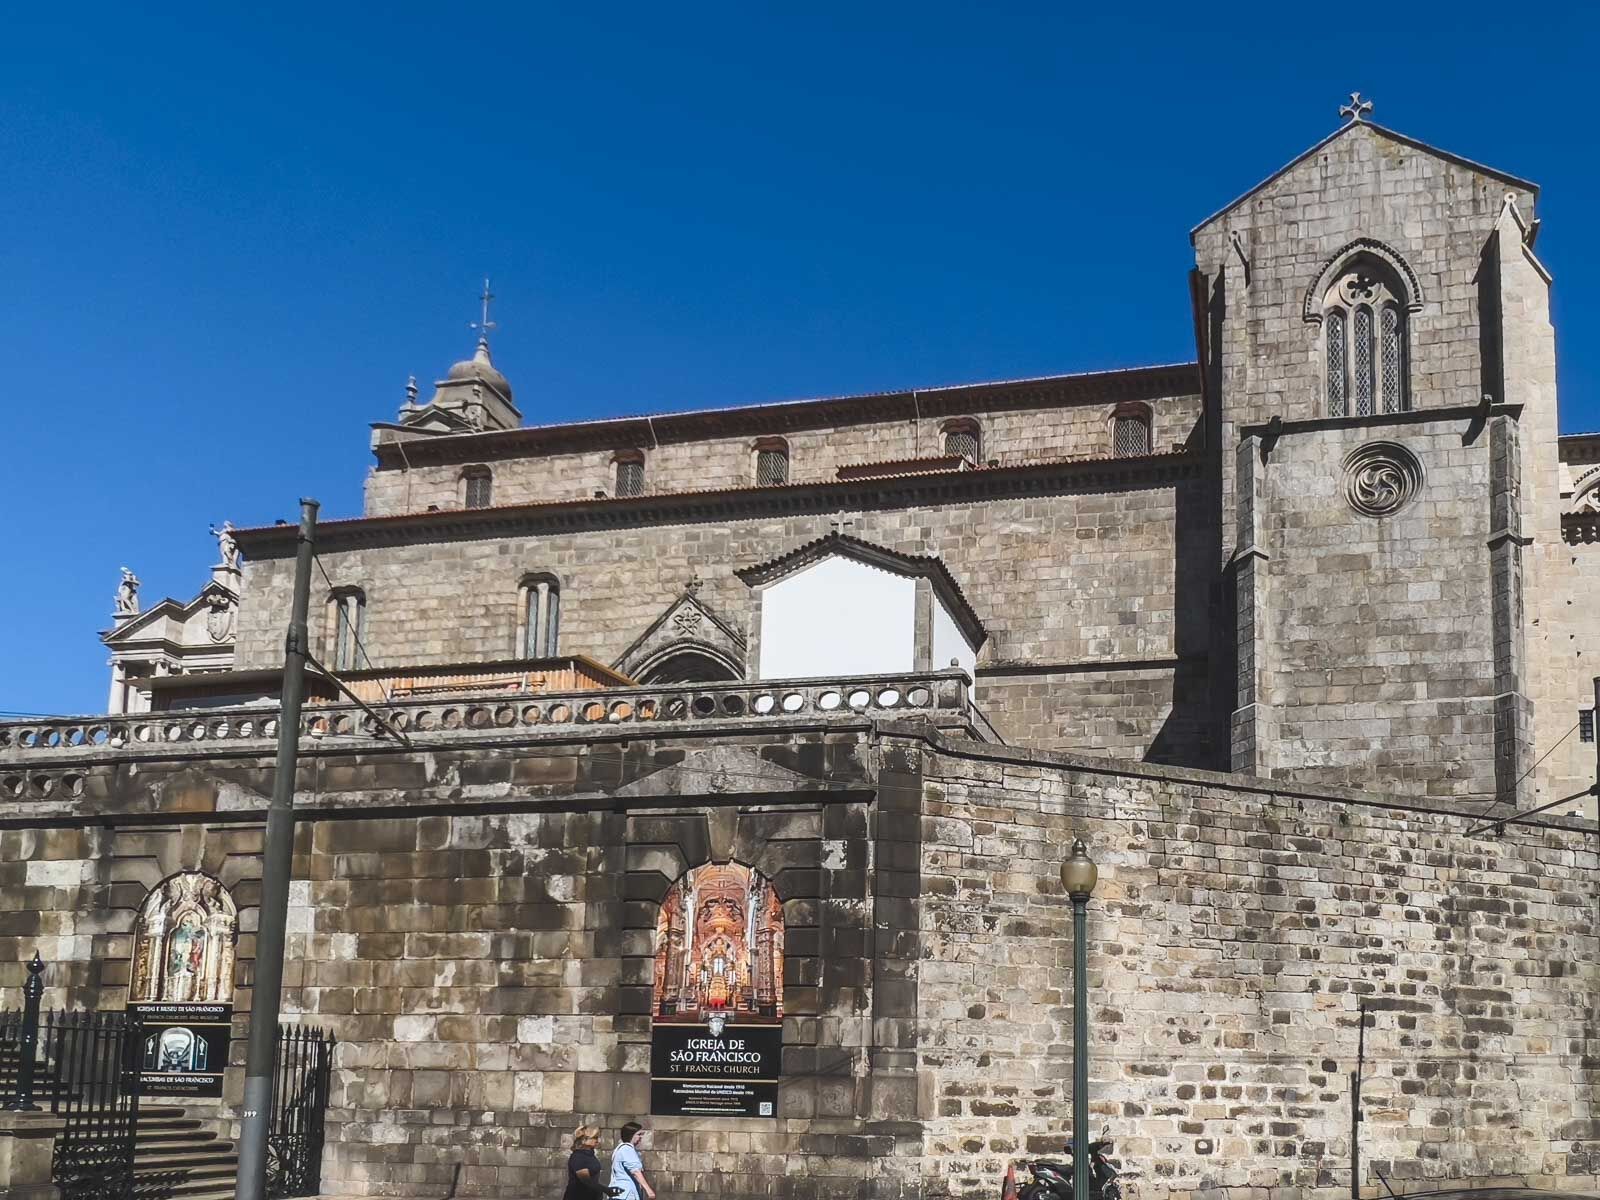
(226, 545)
(128, 594)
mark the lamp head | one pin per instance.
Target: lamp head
(1078, 873)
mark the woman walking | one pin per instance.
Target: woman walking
(583, 1168)
(627, 1168)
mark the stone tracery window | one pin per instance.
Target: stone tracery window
(1365, 342)
(539, 624)
(183, 943)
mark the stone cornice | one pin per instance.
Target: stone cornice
(1136, 383)
(1270, 431)
(557, 516)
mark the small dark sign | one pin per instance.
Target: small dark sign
(695, 1073)
(185, 1048)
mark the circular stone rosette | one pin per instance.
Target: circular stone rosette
(1381, 478)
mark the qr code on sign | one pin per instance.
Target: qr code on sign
(766, 1108)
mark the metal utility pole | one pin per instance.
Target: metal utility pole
(277, 860)
(1355, 1101)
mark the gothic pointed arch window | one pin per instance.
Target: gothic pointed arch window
(183, 943)
(1365, 341)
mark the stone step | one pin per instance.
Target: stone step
(168, 1152)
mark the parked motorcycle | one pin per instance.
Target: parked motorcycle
(1052, 1179)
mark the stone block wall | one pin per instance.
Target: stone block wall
(1377, 648)
(1231, 936)
(1012, 435)
(1104, 577)
(477, 931)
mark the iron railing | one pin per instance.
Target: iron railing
(302, 1068)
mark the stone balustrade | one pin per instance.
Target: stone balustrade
(939, 696)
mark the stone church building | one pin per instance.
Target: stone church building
(775, 723)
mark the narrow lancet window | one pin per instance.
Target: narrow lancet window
(1338, 377)
(1393, 381)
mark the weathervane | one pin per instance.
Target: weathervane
(1355, 111)
(483, 326)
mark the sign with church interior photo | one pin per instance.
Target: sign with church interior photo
(716, 1032)
(182, 985)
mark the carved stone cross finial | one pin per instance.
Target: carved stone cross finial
(1357, 109)
(483, 325)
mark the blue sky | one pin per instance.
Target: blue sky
(226, 238)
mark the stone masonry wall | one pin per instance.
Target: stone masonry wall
(1109, 578)
(1009, 436)
(1377, 650)
(481, 944)
(1232, 933)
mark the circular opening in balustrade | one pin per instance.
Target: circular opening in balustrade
(400, 719)
(919, 697)
(704, 706)
(73, 784)
(478, 717)
(593, 712)
(829, 700)
(531, 714)
(733, 705)
(173, 732)
(427, 719)
(676, 708)
(269, 727)
(198, 731)
(43, 785)
(888, 698)
(505, 715)
(27, 738)
(560, 714)
(247, 728)
(144, 733)
(647, 710)
(765, 703)
(450, 718)
(221, 729)
(73, 736)
(342, 724)
(621, 711)
(860, 698)
(12, 785)
(97, 735)
(793, 702)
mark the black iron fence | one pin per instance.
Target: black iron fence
(84, 1068)
(302, 1069)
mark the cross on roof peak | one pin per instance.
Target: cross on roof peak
(1357, 109)
(484, 324)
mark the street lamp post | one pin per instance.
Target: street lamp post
(1078, 876)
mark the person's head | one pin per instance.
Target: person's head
(585, 1137)
(631, 1133)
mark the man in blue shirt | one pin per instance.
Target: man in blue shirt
(627, 1168)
